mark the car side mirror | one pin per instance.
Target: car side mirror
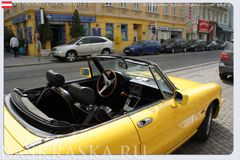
(180, 98)
(85, 72)
(79, 43)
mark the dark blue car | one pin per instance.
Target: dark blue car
(143, 47)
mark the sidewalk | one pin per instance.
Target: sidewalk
(11, 61)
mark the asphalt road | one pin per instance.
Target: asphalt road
(32, 76)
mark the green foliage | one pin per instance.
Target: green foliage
(45, 32)
(76, 29)
(21, 43)
(7, 35)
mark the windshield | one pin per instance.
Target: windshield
(168, 41)
(74, 40)
(192, 41)
(138, 42)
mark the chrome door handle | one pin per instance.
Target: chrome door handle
(144, 122)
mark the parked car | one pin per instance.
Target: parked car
(195, 45)
(223, 45)
(123, 102)
(142, 47)
(83, 46)
(226, 62)
(174, 45)
(210, 45)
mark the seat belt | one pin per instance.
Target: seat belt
(90, 115)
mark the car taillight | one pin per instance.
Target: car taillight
(225, 56)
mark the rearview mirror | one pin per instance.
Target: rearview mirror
(180, 98)
(85, 72)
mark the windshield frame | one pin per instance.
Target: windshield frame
(74, 41)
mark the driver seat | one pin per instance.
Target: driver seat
(86, 96)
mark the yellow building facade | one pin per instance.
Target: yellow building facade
(126, 22)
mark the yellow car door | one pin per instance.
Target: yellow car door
(166, 124)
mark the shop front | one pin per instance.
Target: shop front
(224, 32)
(163, 33)
(192, 31)
(203, 29)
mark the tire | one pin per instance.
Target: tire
(184, 50)
(223, 76)
(173, 50)
(157, 51)
(195, 49)
(204, 129)
(139, 52)
(71, 56)
(105, 51)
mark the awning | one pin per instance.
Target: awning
(224, 28)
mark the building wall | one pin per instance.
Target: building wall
(114, 13)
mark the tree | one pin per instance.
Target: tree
(45, 32)
(7, 36)
(77, 29)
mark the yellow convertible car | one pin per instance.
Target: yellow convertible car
(123, 106)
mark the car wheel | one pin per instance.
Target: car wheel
(195, 49)
(223, 75)
(203, 49)
(173, 50)
(106, 51)
(157, 51)
(71, 56)
(204, 130)
(184, 50)
(139, 52)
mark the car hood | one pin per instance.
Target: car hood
(61, 46)
(133, 46)
(183, 83)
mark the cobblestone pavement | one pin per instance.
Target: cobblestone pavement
(221, 140)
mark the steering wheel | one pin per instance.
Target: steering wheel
(107, 83)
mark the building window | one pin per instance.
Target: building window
(108, 4)
(225, 18)
(197, 11)
(124, 32)
(123, 5)
(203, 12)
(86, 27)
(181, 10)
(217, 16)
(213, 15)
(25, 29)
(152, 7)
(136, 6)
(208, 12)
(166, 8)
(173, 9)
(109, 31)
(221, 15)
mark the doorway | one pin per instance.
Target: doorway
(59, 35)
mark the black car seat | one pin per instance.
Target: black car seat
(86, 96)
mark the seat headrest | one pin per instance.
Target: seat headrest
(54, 79)
(81, 94)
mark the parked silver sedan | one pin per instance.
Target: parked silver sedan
(83, 46)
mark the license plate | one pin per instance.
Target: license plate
(126, 50)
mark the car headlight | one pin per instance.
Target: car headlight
(60, 49)
(168, 46)
(192, 46)
(132, 48)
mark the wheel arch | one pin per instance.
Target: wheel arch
(106, 48)
(72, 50)
(216, 107)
